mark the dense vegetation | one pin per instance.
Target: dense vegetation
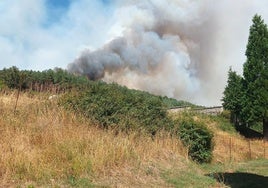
(56, 80)
(109, 105)
(197, 138)
(43, 145)
(247, 97)
(233, 96)
(116, 107)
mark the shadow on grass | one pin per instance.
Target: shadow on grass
(248, 132)
(240, 179)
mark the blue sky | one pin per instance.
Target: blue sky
(58, 3)
(43, 34)
(57, 8)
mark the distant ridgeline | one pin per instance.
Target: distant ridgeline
(60, 81)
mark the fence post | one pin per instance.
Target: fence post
(230, 148)
(249, 147)
(264, 149)
(17, 98)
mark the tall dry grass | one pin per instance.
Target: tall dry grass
(236, 148)
(233, 147)
(229, 146)
(44, 144)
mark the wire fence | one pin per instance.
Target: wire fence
(230, 148)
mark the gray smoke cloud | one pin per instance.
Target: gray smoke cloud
(176, 48)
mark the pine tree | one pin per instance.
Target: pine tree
(233, 94)
(255, 72)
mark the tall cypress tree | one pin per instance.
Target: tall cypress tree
(233, 94)
(255, 72)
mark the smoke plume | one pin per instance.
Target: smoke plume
(168, 47)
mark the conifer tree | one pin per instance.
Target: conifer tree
(233, 94)
(255, 72)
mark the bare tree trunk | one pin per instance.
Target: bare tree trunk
(265, 128)
(232, 118)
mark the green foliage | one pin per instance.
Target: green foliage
(255, 71)
(2, 85)
(257, 126)
(247, 97)
(223, 121)
(60, 79)
(11, 77)
(226, 114)
(170, 102)
(197, 138)
(233, 95)
(116, 107)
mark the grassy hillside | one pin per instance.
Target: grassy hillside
(94, 134)
(44, 145)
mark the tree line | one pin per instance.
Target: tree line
(246, 96)
(57, 80)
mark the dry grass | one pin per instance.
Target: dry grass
(45, 145)
(230, 147)
(236, 148)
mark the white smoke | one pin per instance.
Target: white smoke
(170, 47)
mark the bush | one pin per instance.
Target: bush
(2, 85)
(224, 123)
(197, 138)
(226, 114)
(116, 107)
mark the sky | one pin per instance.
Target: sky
(43, 34)
(196, 41)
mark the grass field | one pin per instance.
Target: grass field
(43, 145)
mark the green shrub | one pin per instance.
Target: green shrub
(197, 138)
(2, 85)
(116, 107)
(170, 102)
(226, 114)
(224, 123)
